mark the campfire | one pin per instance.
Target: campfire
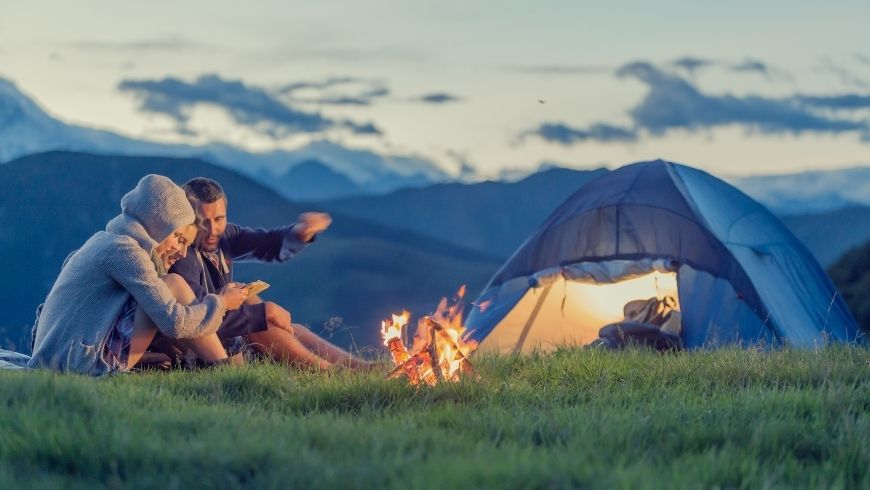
(440, 349)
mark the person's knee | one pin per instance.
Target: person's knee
(179, 287)
(174, 282)
(276, 314)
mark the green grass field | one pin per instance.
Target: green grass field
(575, 418)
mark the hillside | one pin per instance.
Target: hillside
(851, 274)
(496, 217)
(830, 234)
(490, 217)
(357, 271)
(809, 192)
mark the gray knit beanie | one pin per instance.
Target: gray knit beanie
(159, 205)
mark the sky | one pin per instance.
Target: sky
(737, 88)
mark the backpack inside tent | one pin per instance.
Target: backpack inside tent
(649, 231)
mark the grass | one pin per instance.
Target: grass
(573, 418)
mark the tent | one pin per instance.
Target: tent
(653, 229)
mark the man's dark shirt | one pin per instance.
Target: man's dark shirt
(237, 243)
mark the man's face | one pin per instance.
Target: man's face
(214, 219)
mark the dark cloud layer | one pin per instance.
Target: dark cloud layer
(849, 102)
(692, 64)
(439, 98)
(566, 135)
(753, 66)
(247, 105)
(673, 103)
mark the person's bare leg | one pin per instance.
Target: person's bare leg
(284, 347)
(326, 349)
(144, 331)
(207, 348)
(313, 343)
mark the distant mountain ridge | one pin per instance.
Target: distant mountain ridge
(358, 271)
(496, 217)
(490, 217)
(809, 192)
(25, 128)
(314, 181)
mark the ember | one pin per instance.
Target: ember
(441, 345)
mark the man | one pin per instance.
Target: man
(208, 268)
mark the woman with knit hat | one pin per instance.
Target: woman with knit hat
(109, 300)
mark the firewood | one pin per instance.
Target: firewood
(437, 327)
(433, 354)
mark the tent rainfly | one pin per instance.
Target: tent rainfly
(653, 229)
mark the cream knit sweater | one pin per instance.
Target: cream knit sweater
(113, 265)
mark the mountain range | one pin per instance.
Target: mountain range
(402, 250)
(809, 192)
(325, 170)
(496, 217)
(26, 128)
(357, 271)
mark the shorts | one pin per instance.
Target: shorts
(117, 349)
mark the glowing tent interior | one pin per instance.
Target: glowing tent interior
(653, 229)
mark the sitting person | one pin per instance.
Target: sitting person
(108, 302)
(265, 325)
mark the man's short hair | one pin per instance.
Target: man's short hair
(206, 190)
(198, 220)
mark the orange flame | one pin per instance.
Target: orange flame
(391, 329)
(446, 328)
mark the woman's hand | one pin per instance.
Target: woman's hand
(233, 296)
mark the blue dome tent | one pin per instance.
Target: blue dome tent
(653, 229)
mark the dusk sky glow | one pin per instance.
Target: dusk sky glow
(735, 88)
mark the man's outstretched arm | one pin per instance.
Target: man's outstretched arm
(277, 244)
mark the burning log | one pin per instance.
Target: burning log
(440, 348)
(391, 330)
(465, 364)
(434, 358)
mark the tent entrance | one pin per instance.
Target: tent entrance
(566, 311)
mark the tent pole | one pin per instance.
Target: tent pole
(528, 326)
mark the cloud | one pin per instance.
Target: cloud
(755, 66)
(249, 106)
(846, 77)
(438, 98)
(691, 64)
(863, 59)
(566, 135)
(848, 102)
(320, 84)
(337, 91)
(350, 91)
(169, 43)
(557, 69)
(674, 103)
